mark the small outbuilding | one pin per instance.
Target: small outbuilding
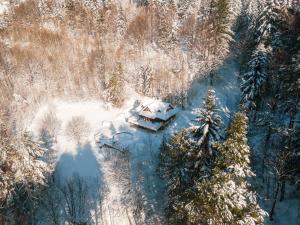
(153, 115)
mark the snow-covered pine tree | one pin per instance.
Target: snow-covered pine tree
(165, 26)
(22, 172)
(209, 122)
(286, 165)
(193, 146)
(221, 32)
(47, 142)
(177, 156)
(9, 158)
(233, 162)
(268, 22)
(289, 78)
(33, 170)
(114, 92)
(187, 157)
(234, 152)
(287, 159)
(182, 7)
(236, 7)
(293, 164)
(121, 23)
(252, 8)
(254, 78)
(145, 81)
(34, 165)
(225, 197)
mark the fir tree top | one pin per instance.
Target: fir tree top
(209, 119)
(234, 151)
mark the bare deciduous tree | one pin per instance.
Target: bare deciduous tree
(77, 129)
(50, 125)
(75, 193)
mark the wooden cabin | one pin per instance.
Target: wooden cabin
(153, 115)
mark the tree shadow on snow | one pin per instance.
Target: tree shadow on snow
(75, 189)
(224, 80)
(84, 163)
(143, 190)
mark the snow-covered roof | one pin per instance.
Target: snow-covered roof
(154, 126)
(157, 109)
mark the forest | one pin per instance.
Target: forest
(73, 74)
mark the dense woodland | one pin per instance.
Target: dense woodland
(105, 49)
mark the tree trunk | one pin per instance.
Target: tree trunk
(268, 187)
(211, 79)
(274, 202)
(265, 151)
(254, 115)
(282, 191)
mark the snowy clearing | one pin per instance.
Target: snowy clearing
(87, 160)
(121, 182)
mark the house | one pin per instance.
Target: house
(153, 115)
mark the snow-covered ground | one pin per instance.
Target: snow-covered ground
(87, 160)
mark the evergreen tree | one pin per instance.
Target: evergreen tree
(187, 157)
(221, 32)
(8, 164)
(289, 78)
(286, 165)
(121, 23)
(22, 172)
(178, 159)
(190, 150)
(225, 197)
(254, 79)
(177, 162)
(114, 92)
(34, 165)
(145, 81)
(292, 166)
(234, 152)
(210, 121)
(47, 142)
(268, 22)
